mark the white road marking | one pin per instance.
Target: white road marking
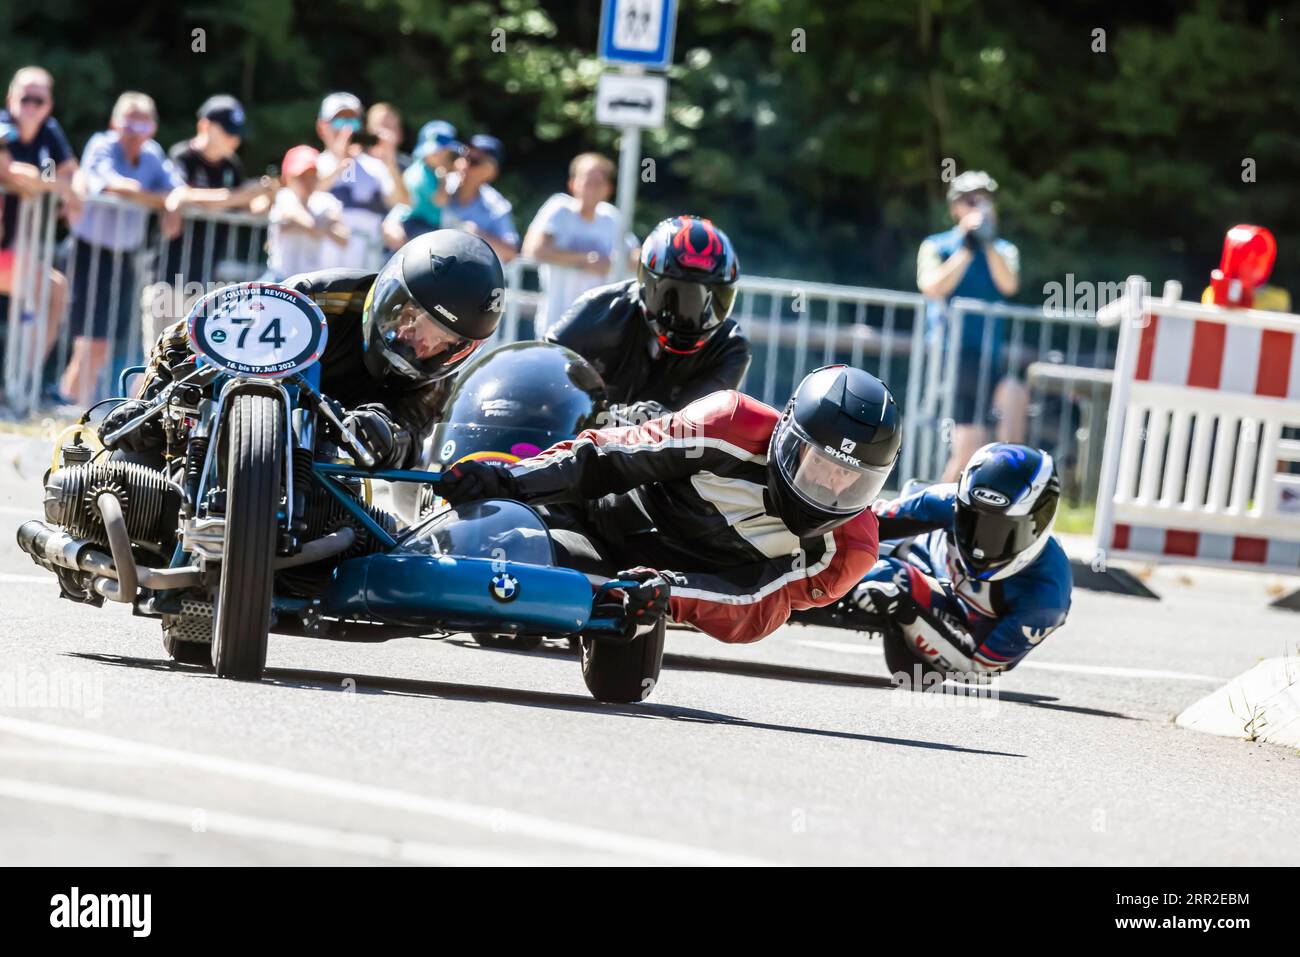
(497, 820)
(69, 756)
(24, 512)
(1112, 671)
(203, 820)
(7, 579)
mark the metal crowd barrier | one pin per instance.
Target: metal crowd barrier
(26, 320)
(1064, 406)
(141, 290)
(793, 327)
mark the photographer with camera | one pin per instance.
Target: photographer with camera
(971, 261)
(362, 182)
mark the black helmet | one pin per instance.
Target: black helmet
(688, 274)
(431, 306)
(1006, 506)
(835, 445)
(517, 400)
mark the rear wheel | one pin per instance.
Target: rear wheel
(254, 470)
(623, 673)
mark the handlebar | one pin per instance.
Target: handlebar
(354, 444)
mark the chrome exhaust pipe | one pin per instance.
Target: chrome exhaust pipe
(119, 543)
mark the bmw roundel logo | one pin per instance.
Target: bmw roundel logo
(505, 587)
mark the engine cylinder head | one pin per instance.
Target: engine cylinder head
(149, 501)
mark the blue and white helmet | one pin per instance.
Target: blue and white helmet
(1006, 507)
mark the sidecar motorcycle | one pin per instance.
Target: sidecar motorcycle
(251, 521)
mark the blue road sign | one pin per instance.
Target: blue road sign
(638, 32)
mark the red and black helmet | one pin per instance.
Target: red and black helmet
(688, 274)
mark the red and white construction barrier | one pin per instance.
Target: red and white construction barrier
(1203, 427)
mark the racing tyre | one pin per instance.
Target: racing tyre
(623, 673)
(508, 642)
(908, 671)
(254, 471)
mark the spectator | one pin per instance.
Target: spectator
(471, 203)
(213, 175)
(362, 183)
(436, 150)
(578, 238)
(970, 261)
(385, 122)
(123, 162)
(40, 160)
(302, 220)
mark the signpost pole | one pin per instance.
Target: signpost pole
(636, 36)
(629, 165)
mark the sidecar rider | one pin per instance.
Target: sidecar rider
(971, 573)
(664, 339)
(395, 340)
(728, 513)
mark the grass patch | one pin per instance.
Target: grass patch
(1075, 519)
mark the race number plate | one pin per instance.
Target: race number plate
(258, 329)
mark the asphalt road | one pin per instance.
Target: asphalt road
(794, 750)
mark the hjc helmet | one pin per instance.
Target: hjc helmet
(687, 274)
(1006, 506)
(433, 304)
(833, 449)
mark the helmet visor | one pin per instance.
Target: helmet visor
(417, 346)
(987, 539)
(827, 479)
(685, 312)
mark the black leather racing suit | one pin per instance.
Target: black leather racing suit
(341, 295)
(608, 328)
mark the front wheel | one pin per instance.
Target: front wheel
(620, 673)
(254, 471)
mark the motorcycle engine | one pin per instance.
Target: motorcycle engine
(149, 501)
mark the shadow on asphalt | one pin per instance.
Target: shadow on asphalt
(781, 672)
(420, 688)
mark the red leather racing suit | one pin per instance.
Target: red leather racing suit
(687, 494)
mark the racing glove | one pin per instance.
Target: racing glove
(472, 481)
(144, 438)
(888, 599)
(387, 441)
(647, 602)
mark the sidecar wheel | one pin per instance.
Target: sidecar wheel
(907, 669)
(254, 471)
(508, 642)
(623, 673)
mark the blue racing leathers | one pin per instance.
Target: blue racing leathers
(961, 624)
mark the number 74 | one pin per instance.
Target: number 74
(271, 334)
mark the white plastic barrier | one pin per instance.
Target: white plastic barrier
(1203, 435)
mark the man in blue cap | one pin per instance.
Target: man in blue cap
(471, 203)
(436, 149)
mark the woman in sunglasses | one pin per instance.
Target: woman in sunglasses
(40, 160)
